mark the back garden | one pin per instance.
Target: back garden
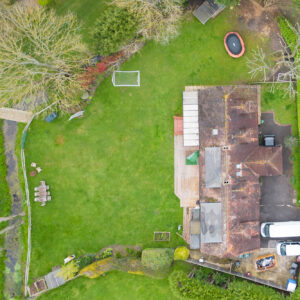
(111, 172)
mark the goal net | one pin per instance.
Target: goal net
(126, 78)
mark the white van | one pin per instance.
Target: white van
(288, 248)
(280, 229)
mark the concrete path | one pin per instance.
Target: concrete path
(13, 241)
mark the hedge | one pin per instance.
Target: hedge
(184, 287)
(287, 33)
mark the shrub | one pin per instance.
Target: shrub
(129, 251)
(138, 254)
(157, 19)
(187, 288)
(118, 255)
(44, 2)
(286, 31)
(200, 275)
(158, 259)
(243, 290)
(114, 29)
(68, 271)
(107, 253)
(219, 279)
(181, 253)
(85, 260)
(290, 142)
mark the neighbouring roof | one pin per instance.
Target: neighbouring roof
(213, 178)
(230, 164)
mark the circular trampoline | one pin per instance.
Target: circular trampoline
(234, 44)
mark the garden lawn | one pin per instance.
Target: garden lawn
(111, 173)
(117, 285)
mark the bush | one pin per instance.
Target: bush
(138, 254)
(118, 255)
(201, 275)
(189, 288)
(181, 253)
(243, 290)
(85, 260)
(157, 19)
(44, 2)
(290, 142)
(158, 258)
(184, 287)
(68, 271)
(219, 279)
(129, 251)
(287, 32)
(107, 253)
(113, 30)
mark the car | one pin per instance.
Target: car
(269, 140)
(288, 248)
(280, 229)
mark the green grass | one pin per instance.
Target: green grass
(4, 190)
(285, 109)
(87, 12)
(117, 285)
(111, 174)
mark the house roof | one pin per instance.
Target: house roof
(230, 163)
(213, 178)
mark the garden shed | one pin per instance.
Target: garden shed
(208, 9)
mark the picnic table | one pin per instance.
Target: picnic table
(42, 193)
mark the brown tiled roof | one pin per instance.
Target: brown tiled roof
(265, 161)
(233, 110)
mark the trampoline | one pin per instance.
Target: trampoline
(234, 44)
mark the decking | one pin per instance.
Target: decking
(186, 176)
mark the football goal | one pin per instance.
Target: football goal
(126, 78)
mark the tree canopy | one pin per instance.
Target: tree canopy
(40, 54)
(157, 19)
(114, 29)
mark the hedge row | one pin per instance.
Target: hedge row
(287, 33)
(184, 287)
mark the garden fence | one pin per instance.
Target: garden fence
(234, 273)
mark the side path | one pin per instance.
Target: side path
(13, 241)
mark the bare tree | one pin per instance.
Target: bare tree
(258, 64)
(158, 19)
(283, 65)
(40, 52)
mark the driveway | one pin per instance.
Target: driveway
(277, 194)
